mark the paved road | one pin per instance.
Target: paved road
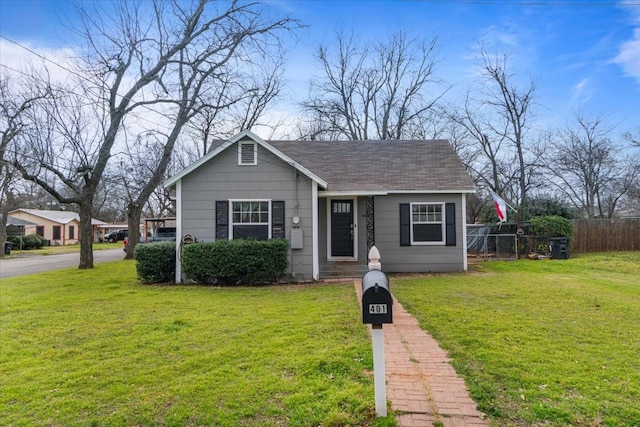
(28, 264)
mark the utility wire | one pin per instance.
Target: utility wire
(44, 58)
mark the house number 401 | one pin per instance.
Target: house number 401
(377, 308)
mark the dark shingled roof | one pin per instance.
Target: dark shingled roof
(380, 166)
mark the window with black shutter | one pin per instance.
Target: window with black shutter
(277, 219)
(427, 223)
(250, 219)
(222, 220)
(405, 224)
(450, 219)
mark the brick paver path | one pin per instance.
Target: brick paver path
(422, 386)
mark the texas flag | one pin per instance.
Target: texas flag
(501, 207)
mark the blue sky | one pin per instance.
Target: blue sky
(584, 54)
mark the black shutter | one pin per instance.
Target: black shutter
(450, 223)
(405, 224)
(277, 219)
(222, 220)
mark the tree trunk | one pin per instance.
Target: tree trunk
(86, 231)
(4, 207)
(134, 212)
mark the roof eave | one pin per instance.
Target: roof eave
(449, 191)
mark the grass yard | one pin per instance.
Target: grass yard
(540, 342)
(97, 348)
(54, 250)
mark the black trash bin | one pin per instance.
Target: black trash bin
(559, 247)
(7, 248)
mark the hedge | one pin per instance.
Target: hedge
(156, 262)
(551, 226)
(235, 262)
(30, 241)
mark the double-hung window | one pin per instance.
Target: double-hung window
(424, 223)
(259, 219)
(250, 219)
(427, 223)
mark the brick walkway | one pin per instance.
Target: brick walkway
(422, 386)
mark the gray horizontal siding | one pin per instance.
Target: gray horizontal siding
(223, 179)
(419, 258)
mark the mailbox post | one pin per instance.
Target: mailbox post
(377, 308)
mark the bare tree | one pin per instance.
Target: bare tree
(60, 149)
(481, 149)
(16, 101)
(378, 93)
(490, 132)
(153, 56)
(233, 37)
(233, 104)
(587, 167)
(633, 138)
(514, 106)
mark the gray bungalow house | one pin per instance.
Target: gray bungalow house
(332, 200)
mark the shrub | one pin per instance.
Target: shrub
(236, 261)
(545, 206)
(15, 241)
(156, 262)
(551, 226)
(31, 241)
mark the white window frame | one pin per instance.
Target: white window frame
(240, 151)
(442, 223)
(232, 224)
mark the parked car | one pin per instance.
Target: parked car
(116, 236)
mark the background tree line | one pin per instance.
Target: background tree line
(157, 82)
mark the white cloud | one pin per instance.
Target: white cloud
(629, 56)
(23, 58)
(581, 91)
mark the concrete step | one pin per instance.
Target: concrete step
(343, 269)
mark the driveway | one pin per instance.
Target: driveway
(26, 263)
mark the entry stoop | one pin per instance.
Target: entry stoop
(342, 270)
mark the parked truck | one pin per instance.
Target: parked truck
(159, 234)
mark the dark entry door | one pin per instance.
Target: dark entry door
(342, 228)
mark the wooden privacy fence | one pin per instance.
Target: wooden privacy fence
(604, 235)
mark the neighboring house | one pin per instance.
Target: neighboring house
(58, 227)
(332, 201)
(16, 226)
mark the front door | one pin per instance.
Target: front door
(342, 228)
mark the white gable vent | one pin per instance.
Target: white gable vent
(247, 153)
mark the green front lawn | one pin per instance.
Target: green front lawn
(538, 342)
(541, 342)
(63, 249)
(98, 348)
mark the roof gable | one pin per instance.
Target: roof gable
(243, 136)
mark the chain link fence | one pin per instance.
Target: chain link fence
(484, 244)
